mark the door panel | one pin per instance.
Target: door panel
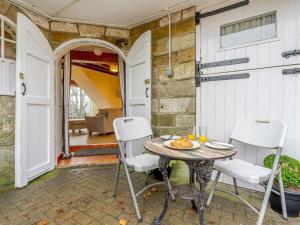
(265, 95)
(138, 83)
(34, 103)
(262, 54)
(138, 78)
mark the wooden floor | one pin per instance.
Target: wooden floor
(83, 138)
(88, 161)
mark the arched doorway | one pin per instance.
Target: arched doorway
(63, 51)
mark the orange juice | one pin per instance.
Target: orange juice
(191, 137)
(203, 139)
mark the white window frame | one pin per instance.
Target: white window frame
(11, 90)
(244, 17)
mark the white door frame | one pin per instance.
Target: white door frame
(63, 49)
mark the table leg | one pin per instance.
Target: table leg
(203, 170)
(163, 164)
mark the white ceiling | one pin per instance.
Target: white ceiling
(120, 13)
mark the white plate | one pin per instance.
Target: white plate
(195, 145)
(167, 137)
(219, 145)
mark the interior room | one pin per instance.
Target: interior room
(94, 102)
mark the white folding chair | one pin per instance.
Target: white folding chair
(265, 134)
(127, 131)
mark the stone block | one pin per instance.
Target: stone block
(114, 32)
(7, 139)
(175, 17)
(188, 13)
(186, 55)
(160, 119)
(90, 31)
(182, 88)
(7, 123)
(60, 37)
(38, 20)
(158, 131)
(138, 30)
(160, 47)
(4, 6)
(164, 59)
(7, 105)
(182, 42)
(12, 13)
(185, 120)
(174, 105)
(64, 27)
(160, 33)
(154, 105)
(181, 71)
(183, 27)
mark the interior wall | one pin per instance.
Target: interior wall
(173, 99)
(103, 89)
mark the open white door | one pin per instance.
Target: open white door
(138, 78)
(34, 103)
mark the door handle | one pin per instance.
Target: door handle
(146, 92)
(24, 88)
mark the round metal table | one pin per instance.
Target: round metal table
(200, 162)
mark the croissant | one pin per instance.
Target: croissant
(182, 143)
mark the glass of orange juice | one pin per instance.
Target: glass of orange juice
(191, 133)
(203, 134)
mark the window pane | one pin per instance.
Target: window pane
(249, 30)
(9, 32)
(9, 50)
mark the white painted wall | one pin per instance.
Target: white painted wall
(267, 94)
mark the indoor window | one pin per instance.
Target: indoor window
(7, 39)
(253, 29)
(80, 104)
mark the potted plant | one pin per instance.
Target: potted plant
(290, 170)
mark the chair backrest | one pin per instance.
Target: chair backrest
(266, 134)
(131, 128)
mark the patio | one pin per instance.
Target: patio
(83, 195)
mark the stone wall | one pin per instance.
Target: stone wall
(7, 141)
(173, 99)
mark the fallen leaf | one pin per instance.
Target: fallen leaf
(122, 222)
(154, 189)
(43, 222)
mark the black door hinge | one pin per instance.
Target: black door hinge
(198, 73)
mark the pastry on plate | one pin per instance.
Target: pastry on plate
(182, 143)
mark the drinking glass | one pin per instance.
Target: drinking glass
(191, 133)
(203, 134)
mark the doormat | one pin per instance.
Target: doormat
(96, 151)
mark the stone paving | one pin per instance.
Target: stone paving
(83, 195)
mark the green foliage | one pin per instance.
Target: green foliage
(290, 169)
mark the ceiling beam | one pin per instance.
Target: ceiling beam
(90, 56)
(96, 68)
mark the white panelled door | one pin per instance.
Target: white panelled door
(267, 94)
(138, 82)
(34, 103)
(138, 78)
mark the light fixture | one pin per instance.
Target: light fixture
(97, 51)
(114, 68)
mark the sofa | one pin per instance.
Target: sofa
(103, 122)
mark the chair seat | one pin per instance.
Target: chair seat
(243, 170)
(144, 162)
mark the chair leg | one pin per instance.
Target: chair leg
(235, 186)
(282, 197)
(138, 214)
(117, 178)
(265, 201)
(147, 178)
(213, 189)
